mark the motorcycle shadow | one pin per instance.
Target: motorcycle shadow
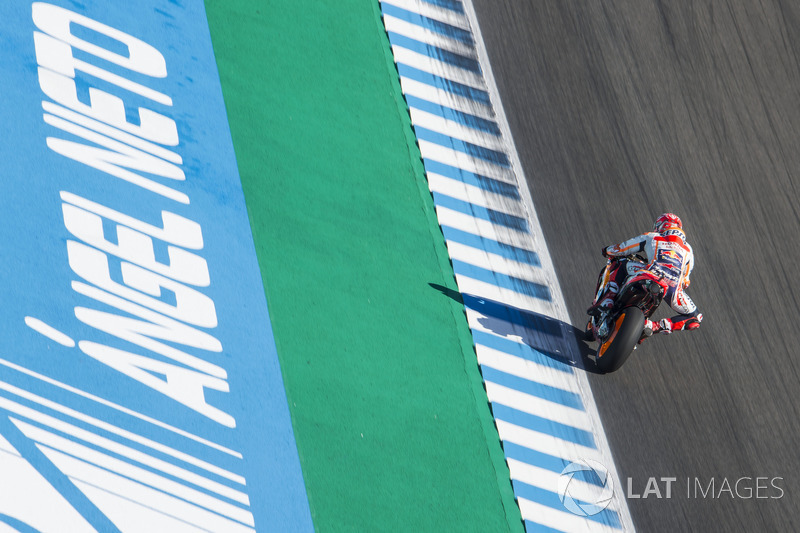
(557, 342)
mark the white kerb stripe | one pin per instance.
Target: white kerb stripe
(445, 98)
(437, 67)
(456, 129)
(548, 480)
(525, 369)
(458, 190)
(474, 195)
(495, 263)
(424, 35)
(560, 520)
(542, 442)
(484, 228)
(482, 289)
(464, 161)
(534, 405)
(432, 11)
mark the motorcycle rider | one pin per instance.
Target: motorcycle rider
(670, 262)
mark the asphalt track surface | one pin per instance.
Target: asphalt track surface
(621, 110)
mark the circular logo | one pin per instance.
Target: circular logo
(582, 498)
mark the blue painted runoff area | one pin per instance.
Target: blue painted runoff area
(133, 313)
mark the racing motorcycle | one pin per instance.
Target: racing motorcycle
(619, 330)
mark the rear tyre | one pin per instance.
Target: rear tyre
(627, 329)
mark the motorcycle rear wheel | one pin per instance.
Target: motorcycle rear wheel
(626, 331)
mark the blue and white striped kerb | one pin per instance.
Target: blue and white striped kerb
(542, 404)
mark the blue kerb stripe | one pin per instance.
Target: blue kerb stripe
(543, 425)
(511, 283)
(439, 27)
(446, 56)
(547, 462)
(510, 347)
(533, 527)
(459, 89)
(474, 150)
(481, 152)
(491, 246)
(477, 211)
(471, 121)
(452, 5)
(470, 178)
(495, 217)
(551, 499)
(540, 390)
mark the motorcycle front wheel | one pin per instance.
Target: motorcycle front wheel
(626, 329)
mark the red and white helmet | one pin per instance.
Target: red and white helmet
(667, 222)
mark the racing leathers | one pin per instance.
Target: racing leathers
(669, 262)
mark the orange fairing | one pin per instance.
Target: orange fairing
(606, 278)
(606, 344)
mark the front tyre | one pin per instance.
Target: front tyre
(626, 332)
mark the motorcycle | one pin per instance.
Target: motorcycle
(619, 330)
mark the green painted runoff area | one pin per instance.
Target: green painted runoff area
(389, 412)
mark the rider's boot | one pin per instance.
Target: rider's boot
(690, 322)
(651, 328)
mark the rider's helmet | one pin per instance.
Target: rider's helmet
(668, 224)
